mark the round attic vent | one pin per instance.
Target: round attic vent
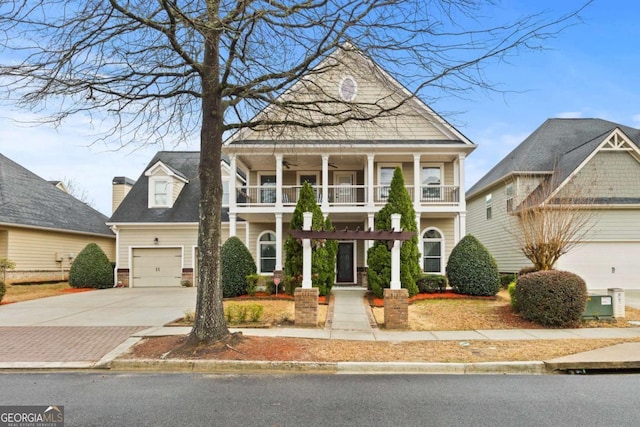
(348, 89)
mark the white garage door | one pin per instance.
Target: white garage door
(604, 265)
(157, 267)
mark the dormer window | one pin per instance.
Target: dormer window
(165, 185)
(160, 193)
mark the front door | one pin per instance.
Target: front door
(345, 263)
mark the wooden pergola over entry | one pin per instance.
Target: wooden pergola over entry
(391, 237)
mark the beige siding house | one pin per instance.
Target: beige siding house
(349, 166)
(595, 158)
(43, 228)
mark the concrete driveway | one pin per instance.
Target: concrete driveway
(104, 307)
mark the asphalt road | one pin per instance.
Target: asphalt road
(140, 399)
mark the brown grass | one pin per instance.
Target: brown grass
(470, 314)
(17, 293)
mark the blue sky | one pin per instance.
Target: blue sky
(590, 70)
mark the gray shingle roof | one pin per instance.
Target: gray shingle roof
(28, 200)
(559, 146)
(134, 208)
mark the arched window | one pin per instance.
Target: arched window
(267, 252)
(432, 251)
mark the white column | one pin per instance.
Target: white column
(420, 245)
(278, 179)
(368, 243)
(370, 199)
(306, 252)
(461, 178)
(463, 224)
(417, 191)
(232, 223)
(395, 254)
(456, 229)
(325, 183)
(232, 194)
(279, 238)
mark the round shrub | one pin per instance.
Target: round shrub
(512, 294)
(3, 290)
(471, 270)
(91, 269)
(236, 264)
(431, 283)
(551, 298)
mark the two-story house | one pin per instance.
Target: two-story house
(593, 164)
(350, 167)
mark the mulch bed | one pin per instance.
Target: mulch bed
(379, 302)
(76, 290)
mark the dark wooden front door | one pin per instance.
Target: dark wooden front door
(344, 262)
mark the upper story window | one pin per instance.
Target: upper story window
(385, 176)
(488, 202)
(165, 185)
(431, 180)
(160, 192)
(509, 197)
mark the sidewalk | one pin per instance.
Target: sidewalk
(47, 334)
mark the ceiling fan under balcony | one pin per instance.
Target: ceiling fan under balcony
(287, 164)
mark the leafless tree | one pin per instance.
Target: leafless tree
(553, 219)
(72, 187)
(167, 69)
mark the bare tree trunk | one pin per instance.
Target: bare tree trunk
(209, 322)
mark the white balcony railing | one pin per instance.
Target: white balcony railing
(344, 195)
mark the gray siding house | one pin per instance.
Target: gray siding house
(604, 158)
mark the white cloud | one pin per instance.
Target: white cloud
(635, 120)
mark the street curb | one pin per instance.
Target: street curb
(255, 367)
(222, 366)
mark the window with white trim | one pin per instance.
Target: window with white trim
(488, 202)
(509, 197)
(385, 176)
(225, 192)
(431, 179)
(432, 250)
(267, 252)
(160, 192)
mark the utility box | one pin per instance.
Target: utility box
(598, 307)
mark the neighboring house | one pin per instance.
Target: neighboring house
(156, 220)
(42, 228)
(349, 166)
(603, 159)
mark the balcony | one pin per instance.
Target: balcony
(345, 195)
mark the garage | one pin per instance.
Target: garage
(154, 267)
(605, 265)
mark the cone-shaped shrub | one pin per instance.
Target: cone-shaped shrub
(471, 270)
(91, 269)
(379, 256)
(236, 264)
(323, 259)
(3, 290)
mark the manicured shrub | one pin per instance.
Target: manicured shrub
(91, 269)
(471, 270)
(324, 251)
(432, 283)
(551, 298)
(527, 270)
(512, 294)
(507, 278)
(379, 255)
(3, 290)
(236, 264)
